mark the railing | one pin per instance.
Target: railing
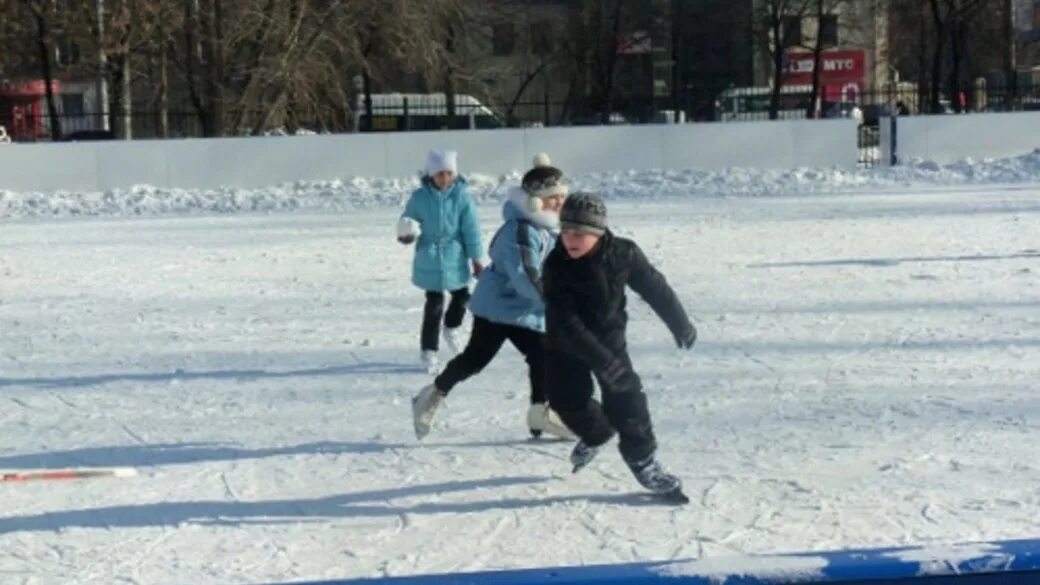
(397, 113)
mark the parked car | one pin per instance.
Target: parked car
(425, 111)
(88, 135)
(843, 110)
(597, 119)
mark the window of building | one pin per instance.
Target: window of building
(542, 39)
(829, 31)
(66, 52)
(791, 31)
(503, 39)
(72, 104)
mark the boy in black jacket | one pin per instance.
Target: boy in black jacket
(584, 280)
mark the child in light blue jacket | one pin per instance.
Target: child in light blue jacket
(441, 220)
(507, 303)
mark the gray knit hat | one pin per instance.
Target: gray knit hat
(584, 212)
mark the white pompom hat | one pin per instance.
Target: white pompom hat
(544, 180)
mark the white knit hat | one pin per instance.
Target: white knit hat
(441, 160)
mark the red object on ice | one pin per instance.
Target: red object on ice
(21, 476)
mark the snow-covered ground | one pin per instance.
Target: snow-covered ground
(366, 192)
(867, 375)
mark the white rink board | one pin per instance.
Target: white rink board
(951, 138)
(250, 163)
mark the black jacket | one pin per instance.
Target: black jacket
(585, 300)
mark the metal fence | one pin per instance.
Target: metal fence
(411, 112)
(90, 126)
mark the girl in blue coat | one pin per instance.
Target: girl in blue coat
(507, 303)
(441, 220)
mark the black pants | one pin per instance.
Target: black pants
(485, 341)
(434, 310)
(624, 408)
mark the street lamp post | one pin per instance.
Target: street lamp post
(102, 65)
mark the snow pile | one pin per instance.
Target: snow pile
(1021, 169)
(148, 200)
(757, 182)
(762, 568)
(955, 559)
(360, 192)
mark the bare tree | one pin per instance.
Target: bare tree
(543, 64)
(161, 15)
(215, 57)
(205, 36)
(950, 24)
(822, 9)
(911, 39)
(771, 17)
(122, 27)
(42, 15)
(606, 18)
(1010, 35)
(251, 65)
(101, 84)
(604, 31)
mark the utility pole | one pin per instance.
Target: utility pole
(102, 65)
(677, 58)
(1010, 54)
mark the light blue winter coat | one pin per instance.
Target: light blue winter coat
(449, 237)
(510, 290)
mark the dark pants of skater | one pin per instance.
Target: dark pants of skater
(623, 409)
(433, 311)
(485, 341)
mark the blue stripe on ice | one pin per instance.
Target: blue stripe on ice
(1015, 562)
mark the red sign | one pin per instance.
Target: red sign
(842, 73)
(27, 88)
(836, 67)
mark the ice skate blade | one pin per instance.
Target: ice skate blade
(675, 496)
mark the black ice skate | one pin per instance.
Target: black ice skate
(582, 455)
(653, 477)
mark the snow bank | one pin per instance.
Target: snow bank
(359, 192)
(763, 568)
(955, 559)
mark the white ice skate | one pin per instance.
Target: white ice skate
(430, 361)
(424, 407)
(542, 419)
(452, 339)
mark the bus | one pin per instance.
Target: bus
(752, 103)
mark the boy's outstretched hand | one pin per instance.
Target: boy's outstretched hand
(478, 267)
(687, 340)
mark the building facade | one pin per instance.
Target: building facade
(856, 43)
